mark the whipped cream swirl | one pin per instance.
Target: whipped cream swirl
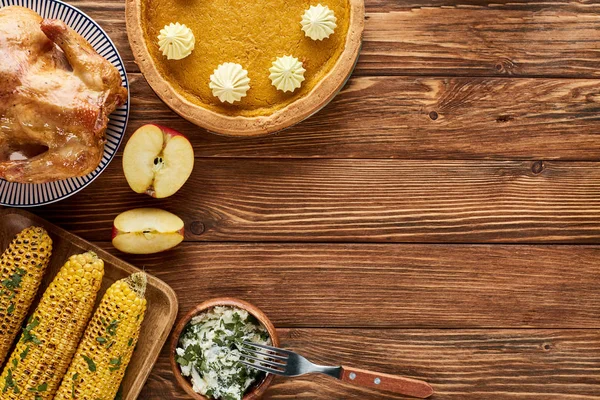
(318, 22)
(176, 41)
(229, 82)
(287, 73)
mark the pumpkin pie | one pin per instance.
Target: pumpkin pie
(253, 44)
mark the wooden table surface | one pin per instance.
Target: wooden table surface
(440, 219)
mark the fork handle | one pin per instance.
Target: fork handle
(390, 383)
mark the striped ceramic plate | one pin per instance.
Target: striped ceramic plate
(29, 195)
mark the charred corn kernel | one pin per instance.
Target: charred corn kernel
(108, 342)
(22, 267)
(50, 338)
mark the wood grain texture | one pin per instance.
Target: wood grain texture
(360, 201)
(460, 364)
(481, 41)
(438, 80)
(437, 286)
(427, 118)
(451, 38)
(578, 6)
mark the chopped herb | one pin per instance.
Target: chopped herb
(32, 324)
(75, 378)
(10, 383)
(116, 363)
(112, 327)
(42, 388)
(100, 340)
(183, 361)
(15, 362)
(27, 335)
(13, 282)
(129, 342)
(24, 353)
(230, 326)
(90, 363)
(10, 309)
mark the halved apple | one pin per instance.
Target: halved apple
(157, 161)
(147, 231)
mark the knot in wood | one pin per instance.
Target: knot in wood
(505, 66)
(547, 346)
(537, 167)
(197, 228)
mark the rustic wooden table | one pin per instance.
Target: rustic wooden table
(439, 219)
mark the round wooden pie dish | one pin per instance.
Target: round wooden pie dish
(321, 91)
(258, 389)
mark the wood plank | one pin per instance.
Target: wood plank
(437, 286)
(486, 41)
(383, 6)
(460, 364)
(452, 38)
(427, 118)
(360, 200)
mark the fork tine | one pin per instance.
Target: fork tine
(262, 368)
(260, 353)
(262, 361)
(265, 347)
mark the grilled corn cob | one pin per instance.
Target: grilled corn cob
(107, 345)
(22, 267)
(50, 338)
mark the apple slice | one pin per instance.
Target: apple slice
(147, 231)
(157, 161)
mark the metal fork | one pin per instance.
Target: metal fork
(278, 361)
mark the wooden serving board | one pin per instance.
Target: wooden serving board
(162, 301)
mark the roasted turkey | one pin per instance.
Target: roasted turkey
(56, 94)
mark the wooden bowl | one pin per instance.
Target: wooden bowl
(237, 125)
(257, 390)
